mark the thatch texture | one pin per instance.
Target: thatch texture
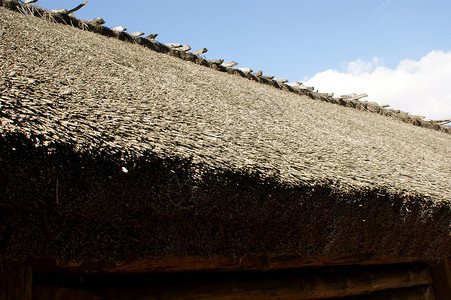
(111, 151)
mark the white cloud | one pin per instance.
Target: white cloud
(359, 66)
(420, 87)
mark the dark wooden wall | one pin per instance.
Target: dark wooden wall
(402, 281)
(15, 281)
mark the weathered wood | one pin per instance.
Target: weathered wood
(281, 80)
(30, 1)
(441, 122)
(216, 61)
(59, 11)
(97, 21)
(268, 77)
(137, 33)
(353, 96)
(151, 36)
(310, 88)
(185, 48)
(441, 273)
(258, 74)
(77, 7)
(15, 281)
(294, 84)
(119, 29)
(229, 64)
(173, 45)
(200, 51)
(245, 70)
(326, 94)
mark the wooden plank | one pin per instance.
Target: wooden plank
(441, 273)
(185, 48)
(97, 21)
(258, 74)
(229, 64)
(173, 45)
(59, 11)
(289, 284)
(353, 96)
(310, 88)
(151, 36)
(216, 61)
(214, 263)
(77, 7)
(119, 29)
(137, 33)
(200, 51)
(15, 281)
(245, 70)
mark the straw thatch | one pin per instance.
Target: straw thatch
(111, 151)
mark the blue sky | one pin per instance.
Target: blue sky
(331, 44)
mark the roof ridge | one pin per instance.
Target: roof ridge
(65, 17)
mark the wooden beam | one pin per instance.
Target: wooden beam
(441, 122)
(185, 48)
(216, 61)
(245, 70)
(97, 21)
(15, 280)
(173, 45)
(353, 96)
(151, 36)
(137, 33)
(200, 51)
(441, 273)
(229, 64)
(289, 284)
(326, 94)
(59, 11)
(214, 263)
(77, 7)
(258, 74)
(119, 29)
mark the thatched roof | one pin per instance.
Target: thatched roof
(111, 151)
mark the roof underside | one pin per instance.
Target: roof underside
(172, 158)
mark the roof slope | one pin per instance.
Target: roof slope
(109, 93)
(75, 99)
